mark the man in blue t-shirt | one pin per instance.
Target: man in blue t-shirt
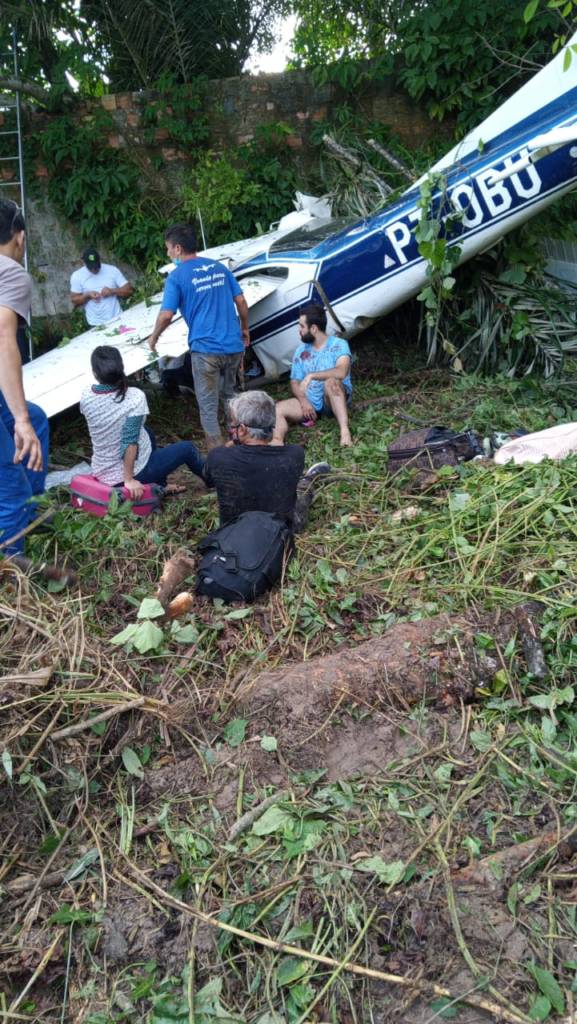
(320, 378)
(211, 302)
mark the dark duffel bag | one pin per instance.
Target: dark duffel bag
(429, 448)
(245, 558)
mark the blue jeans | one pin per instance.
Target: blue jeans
(18, 484)
(163, 461)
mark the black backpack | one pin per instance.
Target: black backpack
(429, 448)
(244, 558)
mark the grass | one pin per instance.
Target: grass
(106, 833)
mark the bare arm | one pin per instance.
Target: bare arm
(134, 487)
(242, 307)
(79, 299)
(25, 439)
(122, 292)
(339, 372)
(309, 411)
(162, 321)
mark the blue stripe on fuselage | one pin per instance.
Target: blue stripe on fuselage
(352, 265)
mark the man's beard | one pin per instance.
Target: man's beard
(308, 338)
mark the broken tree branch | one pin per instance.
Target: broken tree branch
(393, 160)
(495, 871)
(428, 988)
(251, 816)
(26, 88)
(347, 156)
(87, 723)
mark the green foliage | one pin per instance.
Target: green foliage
(111, 45)
(240, 194)
(433, 234)
(98, 188)
(178, 111)
(431, 42)
(446, 36)
(566, 11)
(219, 192)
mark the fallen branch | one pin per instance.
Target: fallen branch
(33, 525)
(251, 816)
(41, 677)
(39, 970)
(494, 871)
(23, 883)
(87, 723)
(424, 987)
(347, 156)
(392, 160)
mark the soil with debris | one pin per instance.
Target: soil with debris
(373, 765)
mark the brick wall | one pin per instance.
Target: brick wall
(235, 108)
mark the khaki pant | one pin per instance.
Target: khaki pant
(214, 378)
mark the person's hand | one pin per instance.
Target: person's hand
(309, 412)
(152, 343)
(26, 444)
(107, 292)
(134, 488)
(95, 295)
(306, 383)
(245, 336)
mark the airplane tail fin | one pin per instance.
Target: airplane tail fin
(547, 100)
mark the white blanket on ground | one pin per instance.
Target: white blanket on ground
(554, 443)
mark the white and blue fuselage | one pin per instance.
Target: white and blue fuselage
(522, 158)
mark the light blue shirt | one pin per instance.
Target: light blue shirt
(308, 359)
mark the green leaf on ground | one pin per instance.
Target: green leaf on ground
(80, 865)
(67, 915)
(291, 969)
(444, 1009)
(148, 637)
(234, 731)
(150, 608)
(273, 820)
(548, 985)
(389, 874)
(269, 743)
(540, 1009)
(7, 763)
(238, 613)
(125, 635)
(132, 763)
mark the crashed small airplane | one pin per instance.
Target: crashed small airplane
(517, 162)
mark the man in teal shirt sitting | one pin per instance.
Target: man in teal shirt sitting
(320, 378)
(211, 302)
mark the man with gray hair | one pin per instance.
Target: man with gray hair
(252, 475)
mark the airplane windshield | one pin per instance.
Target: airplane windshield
(310, 235)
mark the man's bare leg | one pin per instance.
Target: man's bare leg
(336, 398)
(288, 413)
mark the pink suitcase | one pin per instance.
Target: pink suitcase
(91, 495)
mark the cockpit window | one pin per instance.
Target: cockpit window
(276, 272)
(310, 235)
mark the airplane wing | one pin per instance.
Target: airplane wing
(56, 380)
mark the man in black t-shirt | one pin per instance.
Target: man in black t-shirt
(252, 475)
